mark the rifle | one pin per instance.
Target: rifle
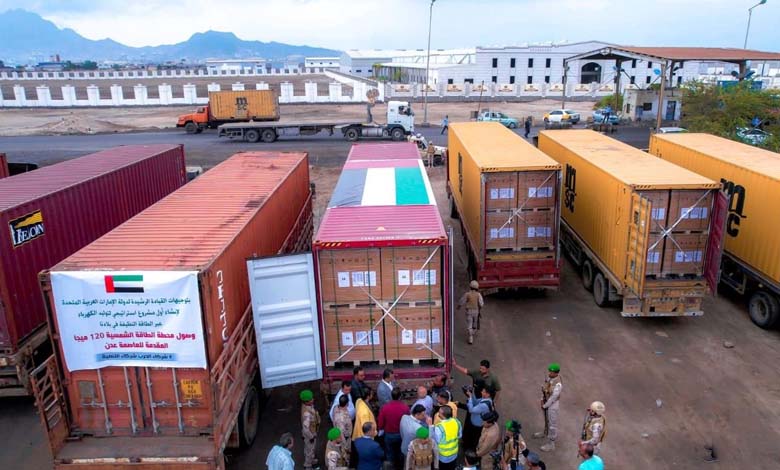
(479, 317)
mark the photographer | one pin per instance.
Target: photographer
(514, 445)
(480, 400)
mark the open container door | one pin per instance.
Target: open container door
(720, 207)
(284, 309)
(639, 228)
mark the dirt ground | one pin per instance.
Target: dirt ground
(50, 121)
(670, 386)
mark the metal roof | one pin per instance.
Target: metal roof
(373, 151)
(36, 184)
(677, 54)
(381, 223)
(626, 163)
(493, 147)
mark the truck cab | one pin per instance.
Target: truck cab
(399, 113)
(194, 123)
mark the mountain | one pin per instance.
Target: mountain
(26, 37)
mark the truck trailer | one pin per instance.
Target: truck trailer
(232, 106)
(156, 364)
(375, 291)
(49, 214)
(399, 124)
(638, 228)
(750, 177)
(506, 194)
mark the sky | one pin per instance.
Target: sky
(387, 24)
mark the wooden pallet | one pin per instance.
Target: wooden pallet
(413, 303)
(525, 249)
(348, 305)
(358, 362)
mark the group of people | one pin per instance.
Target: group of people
(375, 429)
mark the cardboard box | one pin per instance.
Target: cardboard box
(536, 189)
(406, 274)
(419, 327)
(345, 328)
(500, 191)
(499, 234)
(692, 209)
(684, 254)
(350, 276)
(536, 229)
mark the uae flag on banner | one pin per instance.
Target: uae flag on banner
(406, 183)
(124, 283)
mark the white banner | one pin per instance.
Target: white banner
(125, 318)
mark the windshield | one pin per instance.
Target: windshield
(201, 110)
(501, 115)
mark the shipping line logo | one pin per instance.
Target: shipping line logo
(124, 283)
(26, 229)
(570, 183)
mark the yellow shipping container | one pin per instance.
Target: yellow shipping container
(506, 193)
(751, 178)
(247, 105)
(634, 220)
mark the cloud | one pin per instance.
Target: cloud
(350, 24)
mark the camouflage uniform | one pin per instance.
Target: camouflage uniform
(551, 392)
(336, 455)
(342, 421)
(310, 423)
(593, 432)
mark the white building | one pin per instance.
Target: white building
(534, 64)
(321, 64)
(361, 62)
(236, 66)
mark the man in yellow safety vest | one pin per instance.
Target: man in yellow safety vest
(446, 434)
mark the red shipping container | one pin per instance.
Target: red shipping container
(4, 173)
(52, 212)
(253, 204)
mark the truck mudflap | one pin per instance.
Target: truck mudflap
(678, 300)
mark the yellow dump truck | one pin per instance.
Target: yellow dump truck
(750, 177)
(638, 227)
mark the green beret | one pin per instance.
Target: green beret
(334, 434)
(554, 367)
(422, 432)
(508, 425)
(306, 395)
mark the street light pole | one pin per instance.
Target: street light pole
(428, 67)
(750, 15)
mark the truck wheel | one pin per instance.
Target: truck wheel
(512, 125)
(351, 134)
(764, 309)
(600, 290)
(268, 136)
(587, 275)
(453, 209)
(190, 128)
(200, 129)
(249, 417)
(252, 135)
(397, 134)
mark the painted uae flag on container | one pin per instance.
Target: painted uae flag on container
(387, 183)
(124, 283)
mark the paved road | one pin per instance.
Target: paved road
(207, 149)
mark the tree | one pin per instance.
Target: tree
(89, 65)
(722, 110)
(609, 100)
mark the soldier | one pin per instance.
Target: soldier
(343, 421)
(336, 455)
(310, 423)
(474, 302)
(595, 427)
(489, 440)
(551, 394)
(422, 452)
(514, 445)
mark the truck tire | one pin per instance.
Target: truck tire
(397, 134)
(252, 135)
(268, 135)
(191, 128)
(200, 129)
(453, 209)
(763, 309)
(352, 134)
(249, 417)
(600, 290)
(587, 275)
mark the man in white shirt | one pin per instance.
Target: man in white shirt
(424, 399)
(346, 388)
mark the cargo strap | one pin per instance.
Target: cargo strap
(516, 213)
(388, 314)
(667, 233)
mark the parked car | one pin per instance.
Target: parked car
(752, 136)
(598, 117)
(671, 130)
(562, 115)
(509, 122)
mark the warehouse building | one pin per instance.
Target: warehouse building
(362, 62)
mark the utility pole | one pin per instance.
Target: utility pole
(750, 15)
(425, 122)
(565, 71)
(661, 93)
